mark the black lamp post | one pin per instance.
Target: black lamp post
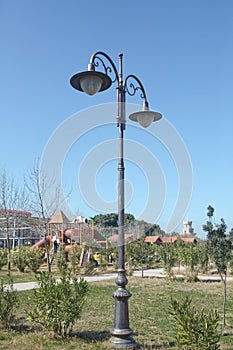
(92, 82)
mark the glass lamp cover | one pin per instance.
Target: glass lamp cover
(91, 84)
(145, 119)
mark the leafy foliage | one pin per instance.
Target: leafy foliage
(140, 254)
(20, 258)
(219, 244)
(35, 258)
(153, 230)
(3, 258)
(58, 305)
(189, 258)
(74, 257)
(220, 248)
(168, 254)
(8, 302)
(62, 263)
(203, 257)
(195, 330)
(111, 220)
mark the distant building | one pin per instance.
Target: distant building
(187, 229)
(153, 240)
(169, 239)
(129, 237)
(174, 239)
(192, 240)
(21, 226)
(79, 219)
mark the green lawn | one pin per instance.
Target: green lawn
(27, 276)
(149, 317)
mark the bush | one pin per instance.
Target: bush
(58, 305)
(8, 302)
(20, 258)
(168, 255)
(89, 269)
(62, 263)
(35, 258)
(74, 257)
(3, 257)
(195, 330)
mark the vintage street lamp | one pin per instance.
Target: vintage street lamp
(92, 82)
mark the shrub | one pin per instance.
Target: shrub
(74, 257)
(189, 258)
(35, 258)
(19, 258)
(168, 255)
(195, 330)
(58, 305)
(3, 257)
(8, 302)
(89, 269)
(62, 263)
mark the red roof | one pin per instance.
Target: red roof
(128, 238)
(189, 240)
(169, 239)
(17, 212)
(152, 239)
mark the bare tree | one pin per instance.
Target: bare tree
(13, 199)
(43, 203)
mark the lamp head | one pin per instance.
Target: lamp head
(91, 81)
(145, 117)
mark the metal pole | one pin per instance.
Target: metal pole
(121, 333)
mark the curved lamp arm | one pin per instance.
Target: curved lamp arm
(132, 89)
(93, 63)
(144, 117)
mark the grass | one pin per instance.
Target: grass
(26, 276)
(148, 309)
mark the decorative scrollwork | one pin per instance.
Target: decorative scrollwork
(107, 69)
(131, 88)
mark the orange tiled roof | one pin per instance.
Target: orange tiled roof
(152, 239)
(169, 239)
(114, 238)
(189, 240)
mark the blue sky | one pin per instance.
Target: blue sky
(181, 49)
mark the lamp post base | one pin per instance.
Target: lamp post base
(123, 343)
(121, 334)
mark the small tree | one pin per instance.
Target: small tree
(140, 254)
(12, 199)
(43, 202)
(35, 258)
(168, 254)
(189, 258)
(3, 258)
(74, 257)
(62, 263)
(220, 247)
(8, 302)
(203, 257)
(58, 305)
(20, 258)
(195, 329)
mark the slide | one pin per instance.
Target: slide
(41, 243)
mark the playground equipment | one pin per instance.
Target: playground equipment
(68, 238)
(63, 231)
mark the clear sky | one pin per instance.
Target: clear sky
(182, 50)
